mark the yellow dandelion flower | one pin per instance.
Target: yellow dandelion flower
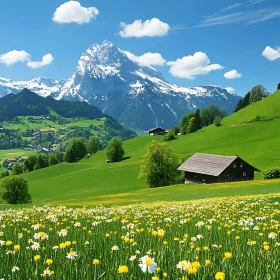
(96, 261)
(37, 258)
(123, 269)
(220, 276)
(49, 261)
(228, 255)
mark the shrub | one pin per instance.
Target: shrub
(4, 174)
(257, 118)
(175, 130)
(272, 173)
(169, 136)
(217, 121)
(17, 169)
(16, 190)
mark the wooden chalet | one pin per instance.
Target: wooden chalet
(157, 131)
(206, 168)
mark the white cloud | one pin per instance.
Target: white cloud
(46, 60)
(72, 11)
(190, 66)
(149, 28)
(147, 59)
(271, 54)
(13, 57)
(230, 89)
(243, 15)
(233, 74)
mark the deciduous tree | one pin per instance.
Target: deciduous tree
(209, 114)
(16, 190)
(115, 151)
(30, 162)
(258, 93)
(94, 145)
(76, 150)
(160, 165)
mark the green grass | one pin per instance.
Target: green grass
(92, 181)
(14, 153)
(266, 109)
(37, 125)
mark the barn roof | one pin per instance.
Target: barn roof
(156, 128)
(208, 164)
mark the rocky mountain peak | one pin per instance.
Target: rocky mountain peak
(138, 96)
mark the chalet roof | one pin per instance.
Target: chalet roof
(208, 164)
(156, 128)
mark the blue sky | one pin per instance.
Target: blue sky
(199, 40)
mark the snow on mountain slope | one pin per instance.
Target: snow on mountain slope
(43, 86)
(138, 96)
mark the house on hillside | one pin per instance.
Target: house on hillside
(22, 159)
(157, 131)
(11, 160)
(206, 168)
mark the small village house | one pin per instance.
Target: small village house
(207, 168)
(22, 159)
(157, 131)
(12, 160)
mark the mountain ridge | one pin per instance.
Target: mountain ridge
(137, 96)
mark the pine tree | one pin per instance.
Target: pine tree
(239, 105)
(246, 99)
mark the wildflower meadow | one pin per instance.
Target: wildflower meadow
(225, 238)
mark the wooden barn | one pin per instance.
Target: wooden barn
(206, 168)
(157, 131)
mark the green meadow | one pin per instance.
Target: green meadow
(14, 153)
(92, 181)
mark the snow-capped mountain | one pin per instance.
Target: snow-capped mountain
(138, 96)
(43, 86)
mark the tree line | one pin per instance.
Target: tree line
(256, 93)
(193, 121)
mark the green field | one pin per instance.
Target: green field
(62, 130)
(228, 238)
(14, 153)
(92, 181)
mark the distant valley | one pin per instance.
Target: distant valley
(32, 122)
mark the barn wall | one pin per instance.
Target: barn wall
(239, 170)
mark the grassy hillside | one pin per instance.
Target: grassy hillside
(269, 108)
(92, 181)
